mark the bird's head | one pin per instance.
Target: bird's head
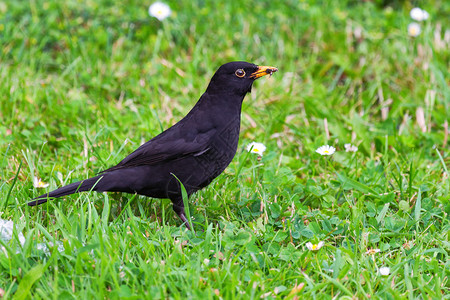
(237, 77)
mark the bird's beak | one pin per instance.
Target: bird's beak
(262, 71)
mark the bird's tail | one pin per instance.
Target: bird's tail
(76, 187)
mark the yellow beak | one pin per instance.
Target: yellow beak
(262, 71)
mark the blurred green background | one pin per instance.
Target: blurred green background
(83, 83)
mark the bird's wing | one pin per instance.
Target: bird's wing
(166, 147)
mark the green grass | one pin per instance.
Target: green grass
(83, 83)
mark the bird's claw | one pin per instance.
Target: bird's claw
(185, 220)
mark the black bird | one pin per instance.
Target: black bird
(194, 151)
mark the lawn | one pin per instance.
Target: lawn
(84, 83)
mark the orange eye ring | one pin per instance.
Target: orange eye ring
(239, 73)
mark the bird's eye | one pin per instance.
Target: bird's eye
(240, 73)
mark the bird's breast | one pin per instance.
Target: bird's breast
(227, 137)
(221, 151)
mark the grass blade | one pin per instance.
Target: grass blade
(417, 209)
(382, 213)
(28, 280)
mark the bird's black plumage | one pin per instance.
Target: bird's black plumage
(195, 150)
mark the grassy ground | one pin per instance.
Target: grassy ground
(83, 83)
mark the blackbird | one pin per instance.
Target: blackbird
(194, 151)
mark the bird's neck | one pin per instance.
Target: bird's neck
(223, 103)
(217, 110)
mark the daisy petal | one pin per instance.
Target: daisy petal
(159, 10)
(326, 150)
(257, 148)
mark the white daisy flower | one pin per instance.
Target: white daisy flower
(314, 247)
(384, 271)
(159, 10)
(257, 148)
(38, 183)
(414, 29)
(326, 150)
(350, 148)
(418, 14)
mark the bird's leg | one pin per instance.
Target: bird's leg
(179, 209)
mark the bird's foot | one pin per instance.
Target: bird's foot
(182, 215)
(185, 220)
